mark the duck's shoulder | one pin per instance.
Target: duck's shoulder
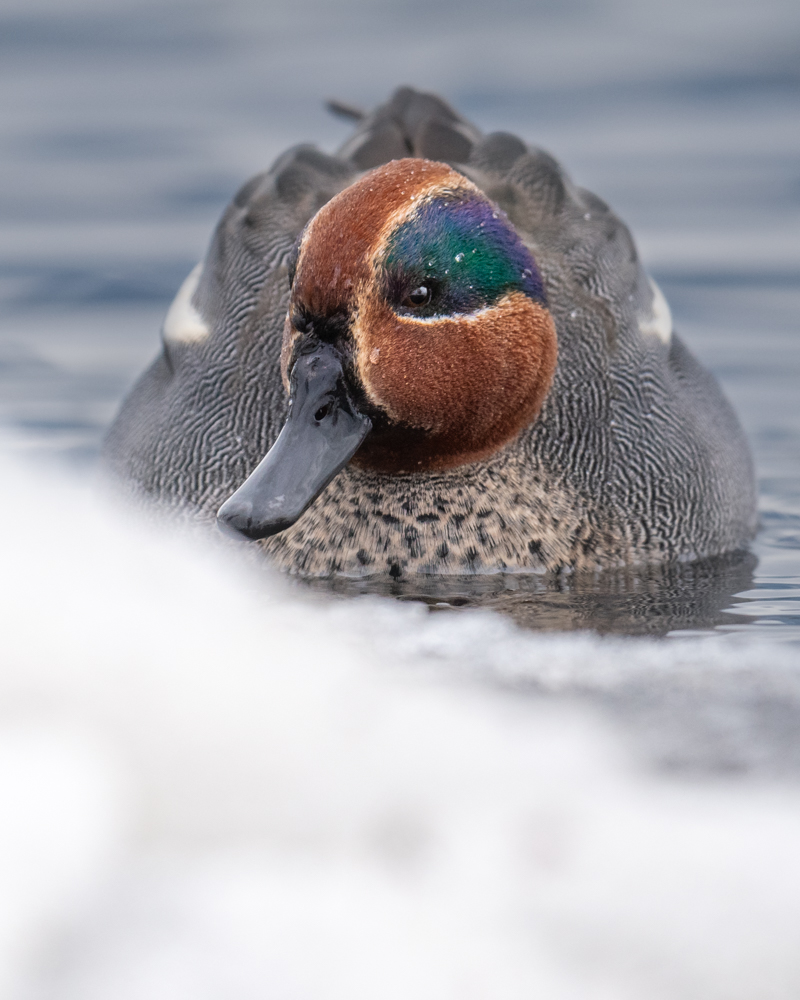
(255, 236)
(586, 253)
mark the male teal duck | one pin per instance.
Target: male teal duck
(433, 354)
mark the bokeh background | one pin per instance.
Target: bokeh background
(214, 786)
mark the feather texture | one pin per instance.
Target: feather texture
(633, 456)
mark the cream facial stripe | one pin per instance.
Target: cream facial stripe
(183, 323)
(659, 322)
(417, 321)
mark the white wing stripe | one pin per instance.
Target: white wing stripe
(659, 322)
(183, 323)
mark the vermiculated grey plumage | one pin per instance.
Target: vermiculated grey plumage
(636, 455)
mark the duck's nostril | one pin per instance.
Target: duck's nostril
(322, 412)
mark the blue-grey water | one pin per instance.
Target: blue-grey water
(216, 786)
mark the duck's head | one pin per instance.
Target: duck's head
(417, 339)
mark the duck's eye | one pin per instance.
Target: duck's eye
(419, 296)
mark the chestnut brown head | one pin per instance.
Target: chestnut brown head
(435, 311)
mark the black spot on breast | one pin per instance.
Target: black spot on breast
(443, 551)
(394, 571)
(427, 518)
(363, 557)
(535, 547)
(412, 541)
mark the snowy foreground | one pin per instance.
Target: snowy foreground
(215, 786)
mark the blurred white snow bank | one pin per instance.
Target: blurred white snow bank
(213, 786)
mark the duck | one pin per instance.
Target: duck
(432, 354)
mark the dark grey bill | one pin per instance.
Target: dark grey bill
(321, 434)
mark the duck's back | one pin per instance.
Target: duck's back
(636, 455)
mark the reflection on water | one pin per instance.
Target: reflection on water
(689, 598)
